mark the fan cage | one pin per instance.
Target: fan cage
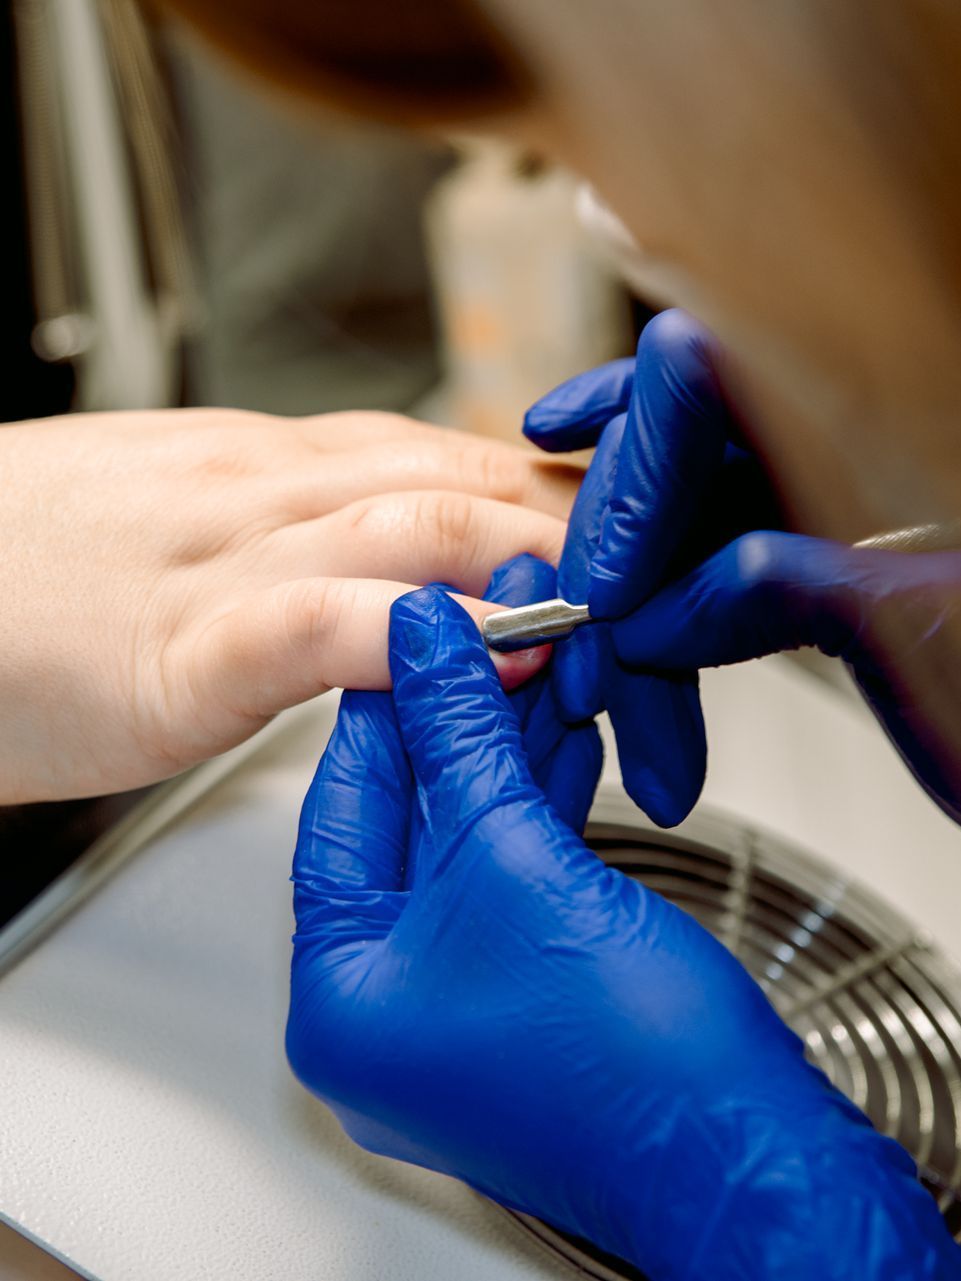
(876, 1003)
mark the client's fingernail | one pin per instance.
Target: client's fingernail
(514, 669)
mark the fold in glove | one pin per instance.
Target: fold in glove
(675, 538)
(472, 990)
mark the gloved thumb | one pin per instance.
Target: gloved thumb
(458, 727)
(462, 736)
(302, 638)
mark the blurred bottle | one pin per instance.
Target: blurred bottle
(524, 301)
(309, 248)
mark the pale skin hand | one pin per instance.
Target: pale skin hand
(170, 581)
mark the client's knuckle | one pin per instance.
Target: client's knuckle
(446, 520)
(368, 517)
(307, 616)
(436, 520)
(503, 473)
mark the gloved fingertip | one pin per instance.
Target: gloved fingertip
(661, 807)
(608, 592)
(666, 802)
(563, 438)
(661, 742)
(415, 622)
(521, 581)
(431, 634)
(537, 421)
(573, 415)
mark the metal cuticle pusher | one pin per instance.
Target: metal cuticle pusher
(530, 625)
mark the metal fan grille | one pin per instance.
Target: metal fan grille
(878, 1006)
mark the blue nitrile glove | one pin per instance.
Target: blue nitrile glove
(656, 718)
(681, 483)
(769, 591)
(683, 488)
(660, 421)
(475, 992)
(565, 761)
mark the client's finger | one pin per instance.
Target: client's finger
(418, 537)
(432, 458)
(301, 638)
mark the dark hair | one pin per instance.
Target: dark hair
(414, 61)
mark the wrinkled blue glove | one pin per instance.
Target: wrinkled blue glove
(473, 991)
(564, 761)
(669, 488)
(656, 719)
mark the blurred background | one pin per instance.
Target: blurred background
(186, 240)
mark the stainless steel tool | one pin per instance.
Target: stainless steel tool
(530, 625)
(554, 620)
(942, 537)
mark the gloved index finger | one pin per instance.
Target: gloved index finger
(677, 428)
(522, 580)
(564, 761)
(573, 415)
(352, 842)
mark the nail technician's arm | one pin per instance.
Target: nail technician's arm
(473, 991)
(170, 581)
(671, 488)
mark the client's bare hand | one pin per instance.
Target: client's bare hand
(169, 581)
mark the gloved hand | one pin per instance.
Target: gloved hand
(680, 488)
(473, 991)
(656, 718)
(564, 761)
